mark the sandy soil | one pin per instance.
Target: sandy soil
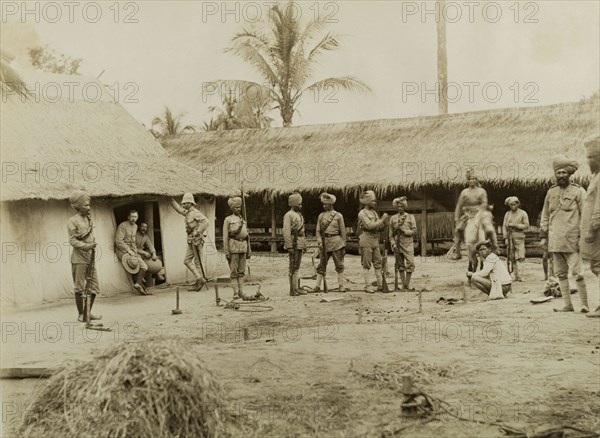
(312, 368)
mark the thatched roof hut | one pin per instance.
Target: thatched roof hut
(70, 133)
(505, 147)
(54, 143)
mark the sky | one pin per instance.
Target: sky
(157, 53)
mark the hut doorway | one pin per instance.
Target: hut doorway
(147, 213)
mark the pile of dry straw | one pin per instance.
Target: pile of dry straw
(156, 387)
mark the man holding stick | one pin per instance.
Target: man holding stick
(294, 240)
(561, 221)
(195, 226)
(370, 227)
(590, 216)
(402, 229)
(331, 237)
(516, 222)
(235, 246)
(81, 237)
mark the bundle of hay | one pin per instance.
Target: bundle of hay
(156, 387)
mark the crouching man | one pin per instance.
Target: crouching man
(493, 279)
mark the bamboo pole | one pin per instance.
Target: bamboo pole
(424, 225)
(442, 59)
(273, 225)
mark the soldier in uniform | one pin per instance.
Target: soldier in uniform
(401, 231)
(235, 246)
(470, 201)
(81, 237)
(590, 216)
(370, 227)
(516, 222)
(561, 217)
(125, 244)
(195, 226)
(331, 237)
(293, 225)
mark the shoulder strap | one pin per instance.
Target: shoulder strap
(328, 222)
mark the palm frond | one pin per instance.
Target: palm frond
(348, 83)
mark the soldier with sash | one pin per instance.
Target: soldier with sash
(402, 229)
(331, 237)
(235, 246)
(294, 240)
(370, 227)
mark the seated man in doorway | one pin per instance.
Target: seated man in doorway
(147, 251)
(493, 279)
(125, 244)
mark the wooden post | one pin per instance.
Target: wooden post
(149, 217)
(424, 225)
(273, 225)
(442, 59)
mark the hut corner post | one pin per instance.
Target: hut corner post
(424, 225)
(273, 225)
(149, 216)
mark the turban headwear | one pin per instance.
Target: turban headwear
(295, 200)
(470, 174)
(487, 243)
(188, 197)
(592, 144)
(512, 199)
(368, 196)
(234, 202)
(78, 198)
(327, 199)
(400, 201)
(562, 162)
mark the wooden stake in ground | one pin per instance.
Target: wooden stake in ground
(420, 302)
(359, 311)
(464, 292)
(176, 311)
(217, 298)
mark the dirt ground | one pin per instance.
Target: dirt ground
(303, 367)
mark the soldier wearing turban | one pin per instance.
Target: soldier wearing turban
(236, 245)
(516, 222)
(370, 227)
(195, 226)
(81, 237)
(470, 201)
(560, 224)
(590, 216)
(294, 240)
(402, 230)
(331, 237)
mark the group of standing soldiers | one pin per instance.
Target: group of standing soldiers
(331, 239)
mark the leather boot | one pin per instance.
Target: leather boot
(240, 282)
(79, 304)
(367, 276)
(341, 286)
(317, 287)
(379, 280)
(566, 294)
(92, 316)
(594, 314)
(402, 279)
(407, 281)
(235, 286)
(582, 289)
(296, 287)
(292, 285)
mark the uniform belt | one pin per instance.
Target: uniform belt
(331, 234)
(237, 238)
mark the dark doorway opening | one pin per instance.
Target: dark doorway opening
(147, 213)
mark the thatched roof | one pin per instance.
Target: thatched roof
(50, 146)
(505, 147)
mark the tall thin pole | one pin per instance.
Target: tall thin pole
(442, 59)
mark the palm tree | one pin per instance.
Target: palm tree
(249, 111)
(285, 55)
(10, 81)
(169, 124)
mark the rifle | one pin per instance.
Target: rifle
(384, 285)
(248, 250)
(396, 234)
(510, 252)
(323, 259)
(293, 261)
(87, 291)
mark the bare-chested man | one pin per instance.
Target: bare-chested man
(470, 202)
